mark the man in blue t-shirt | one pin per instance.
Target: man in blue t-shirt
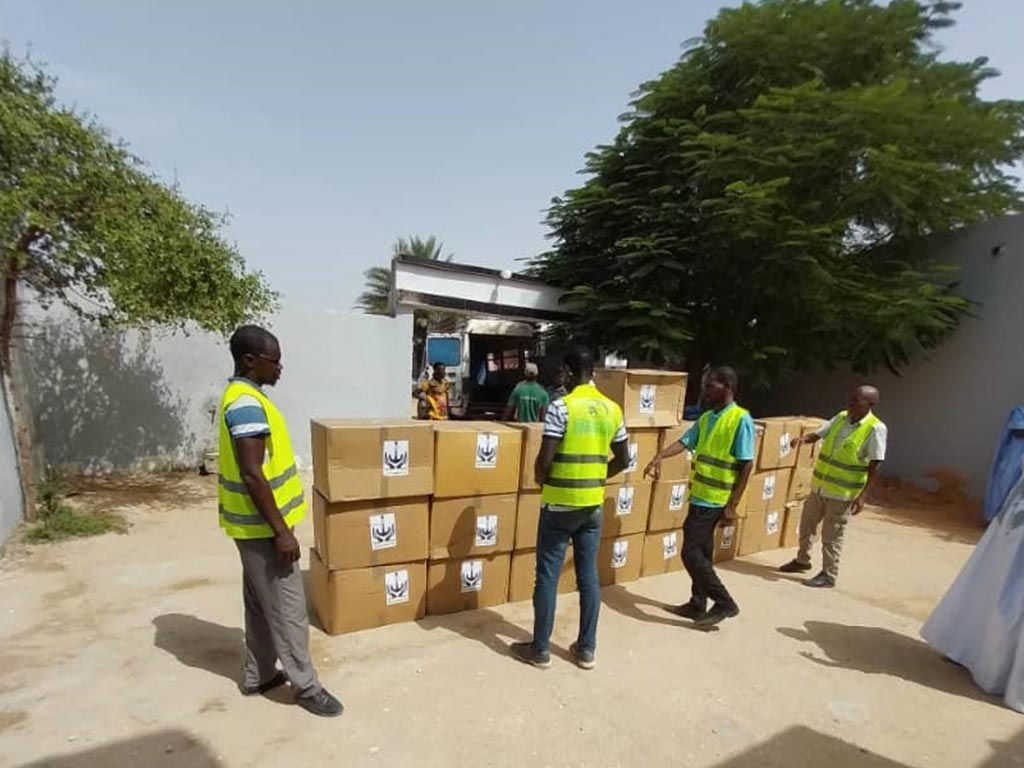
(707, 512)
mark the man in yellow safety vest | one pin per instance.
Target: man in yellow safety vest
(853, 452)
(261, 501)
(572, 467)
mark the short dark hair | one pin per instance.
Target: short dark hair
(723, 374)
(580, 362)
(251, 340)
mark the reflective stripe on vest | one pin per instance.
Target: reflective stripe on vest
(715, 470)
(839, 470)
(238, 514)
(580, 468)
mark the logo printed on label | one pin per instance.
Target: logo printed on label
(678, 497)
(625, 502)
(396, 587)
(383, 531)
(396, 458)
(784, 445)
(486, 450)
(634, 457)
(648, 396)
(768, 492)
(486, 530)
(771, 523)
(669, 546)
(471, 578)
(727, 533)
(620, 553)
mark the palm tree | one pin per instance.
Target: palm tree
(375, 298)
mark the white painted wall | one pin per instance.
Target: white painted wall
(11, 502)
(948, 411)
(104, 401)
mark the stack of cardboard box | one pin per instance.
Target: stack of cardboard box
(803, 474)
(763, 506)
(473, 515)
(372, 481)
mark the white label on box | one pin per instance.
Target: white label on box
(625, 501)
(472, 576)
(768, 492)
(670, 546)
(634, 457)
(677, 499)
(396, 458)
(648, 397)
(486, 530)
(771, 523)
(396, 587)
(727, 533)
(486, 450)
(383, 531)
(620, 553)
(784, 445)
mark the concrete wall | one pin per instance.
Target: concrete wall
(110, 400)
(11, 502)
(947, 412)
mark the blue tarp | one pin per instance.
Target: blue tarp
(1006, 467)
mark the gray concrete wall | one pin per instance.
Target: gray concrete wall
(946, 412)
(11, 501)
(114, 400)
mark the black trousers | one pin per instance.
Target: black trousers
(699, 557)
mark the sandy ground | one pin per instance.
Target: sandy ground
(124, 650)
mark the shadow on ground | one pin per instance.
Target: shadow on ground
(800, 747)
(162, 749)
(877, 651)
(201, 644)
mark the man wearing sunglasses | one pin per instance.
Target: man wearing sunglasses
(261, 501)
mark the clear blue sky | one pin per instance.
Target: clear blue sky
(328, 129)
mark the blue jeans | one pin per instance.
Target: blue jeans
(554, 530)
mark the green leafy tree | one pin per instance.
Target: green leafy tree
(376, 295)
(84, 223)
(767, 201)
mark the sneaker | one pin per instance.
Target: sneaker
(795, 566)
(688, 611)
(527, 654)
(584, 659)
(253, 690)
(717, 615)
(821, 581)
(321, 703)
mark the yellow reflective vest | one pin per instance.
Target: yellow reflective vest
(839, 470)
(238, 514)
(715, 469)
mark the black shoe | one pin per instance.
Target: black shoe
(821, 581)
(321, 703)
(688, 611)
(527, 654)
(254, 690)
(717, 615)
(795, 566)
(584, 659)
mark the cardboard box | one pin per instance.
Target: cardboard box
(465, 584)
(776, 444)
(620, 560)
(361, 598)
(662, 553)
(762, 531)
(643, 446)
(800, 483)
(524, 569)
(476, 458)
(625, 509)
(475, 526)
(727, 540)
(791, 526)
(676, 468)
(648, 398)
(533, 434)
(360, 459)
(527, 520)
(360, 534)
(807, 455)
(669, 505)
(765, 492)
